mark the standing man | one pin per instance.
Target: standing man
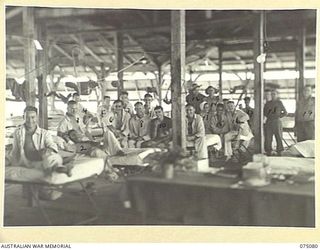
(273, 111)
(34, 147)
(139, 127)
(247, 109)
(195, 98)
(212, 99)
(305, 115)
(196, 132)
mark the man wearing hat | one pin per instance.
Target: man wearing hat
(195, 98)
(212, 99)
(247, 109)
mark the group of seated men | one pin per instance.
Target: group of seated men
(221, 117)
(145, 125)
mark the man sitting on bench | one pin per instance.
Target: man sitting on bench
(239, 128)
(160, 130)
(71, 122)
(34, 147)
(196, 132)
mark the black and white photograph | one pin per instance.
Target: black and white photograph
(189, 117)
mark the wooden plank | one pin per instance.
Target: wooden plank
(29, 54)
(119, 58)
(220, 71)
(258, 84)
(42, 71)
(301, 59)
(14, 12)
(178, 53)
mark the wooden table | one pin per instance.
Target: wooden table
(202, 199)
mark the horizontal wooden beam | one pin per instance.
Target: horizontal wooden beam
(14, 12)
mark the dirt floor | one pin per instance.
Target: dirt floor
(72, 207)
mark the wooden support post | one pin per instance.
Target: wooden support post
(159, 83)
(301, 59)
(42, 69)
(258, 84)
(29, 54)
(103, 82)
(119, 58)
(178, 53)
(220, 72)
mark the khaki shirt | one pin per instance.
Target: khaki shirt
(219, 125)
(197, 126)
(305, 110)
(139, 127)
(121, 122)
(71, 123)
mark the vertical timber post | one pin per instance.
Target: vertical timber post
(178, 50)
(258, 84)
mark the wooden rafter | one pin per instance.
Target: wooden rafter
(14, 12)
(150, 57)
(109, 45)
(90, 51)
(63, 52)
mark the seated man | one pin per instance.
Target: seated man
(149, 110)
(33, 147)
(72, 122)
(239, 129)
(82, 112)
(219, 122)
(196, 132)
(91, 148)
(160, 130)
(139, 127)
(105, 107)
(127, 106)
(118, 122)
